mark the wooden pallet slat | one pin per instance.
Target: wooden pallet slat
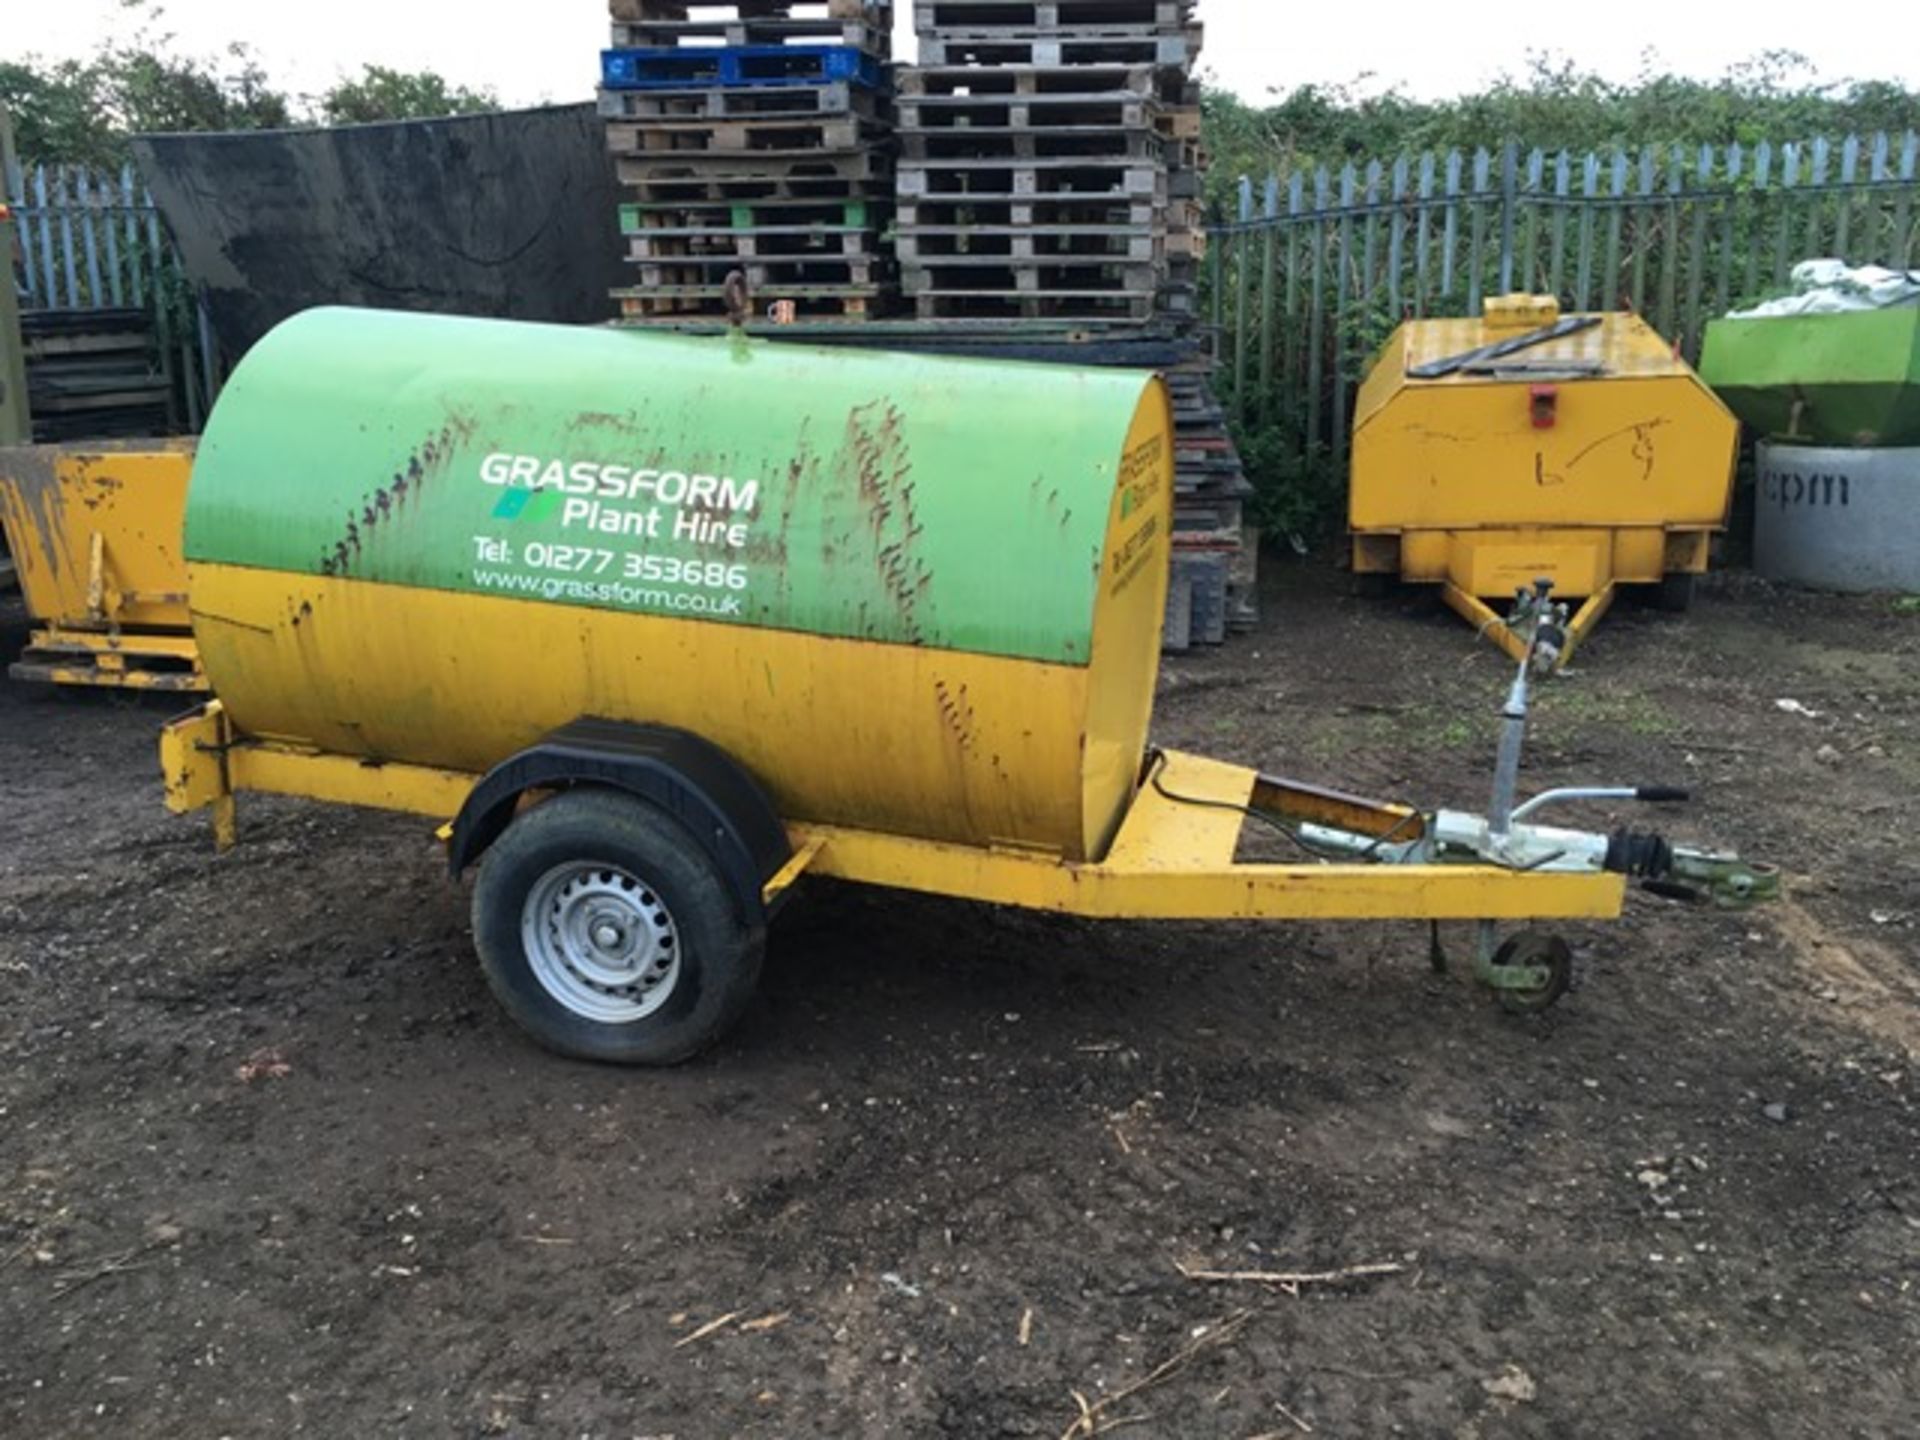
(876, 12)
(1057, 274)
(930, 81)
(1093, 145)
(708, 34)
(936, 15)
(1164, 51)
(764, 274)
(667, 106)
(965, 114)
(770, 166)
(1060, 209)
(850, 302)
(707, 190)
(763, 217)
(1030, 247)
(1000, 179)
(759, 137)
(728, 246)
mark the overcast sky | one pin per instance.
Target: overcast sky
(547, 51)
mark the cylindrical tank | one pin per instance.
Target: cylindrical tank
(1837, 518)
(914, 595)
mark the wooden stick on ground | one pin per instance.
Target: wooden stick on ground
(114, 1265)
(1302, 1426)
(1289, 1279)
(1097, 1420)
(707, 1329)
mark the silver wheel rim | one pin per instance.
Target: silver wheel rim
(600, 942)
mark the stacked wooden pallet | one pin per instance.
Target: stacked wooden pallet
(751, 135)
(90, 375)
(1215, 551)
(1050, 171)
(1050, 160)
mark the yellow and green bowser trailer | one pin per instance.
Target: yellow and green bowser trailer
(650, 626)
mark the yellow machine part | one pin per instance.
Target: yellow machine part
(1592, 459)
(95, 534)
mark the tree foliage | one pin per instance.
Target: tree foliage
(85, 111)
(383, 94)
(1553, 104)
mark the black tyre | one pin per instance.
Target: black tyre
(1370, 584)
(1676, 594)
(608, 933)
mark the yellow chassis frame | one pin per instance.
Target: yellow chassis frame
(1590, 561)
(1490, 624)
(119, 659)
(1172, 860)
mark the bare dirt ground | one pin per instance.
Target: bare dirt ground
(272, 1163)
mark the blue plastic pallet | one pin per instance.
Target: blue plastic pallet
(696, 67)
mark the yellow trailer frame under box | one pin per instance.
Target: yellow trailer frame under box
(1492, 453)
(95, 532)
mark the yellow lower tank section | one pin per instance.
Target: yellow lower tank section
(1595, 457)
(916, 742)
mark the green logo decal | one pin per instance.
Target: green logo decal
(526, 504)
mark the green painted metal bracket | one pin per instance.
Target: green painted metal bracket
(1726, 880)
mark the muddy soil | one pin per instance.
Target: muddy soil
(272, 1163)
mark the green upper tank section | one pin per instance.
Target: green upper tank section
(953, 504)
(1850, 378)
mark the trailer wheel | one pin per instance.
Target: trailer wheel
(609, 934)
(1546, 952)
